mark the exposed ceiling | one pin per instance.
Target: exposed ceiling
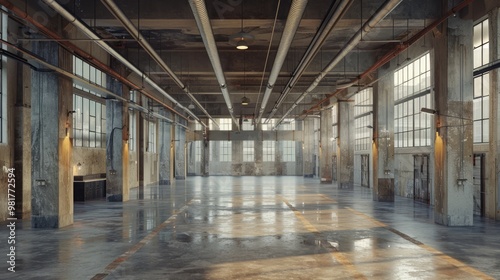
(171, 29)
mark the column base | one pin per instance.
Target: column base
(308, 175)
(44, 221)
(164, 182)
(385, 190)
(180, 177)
(453, 220)
(346, 185)
(115, 198)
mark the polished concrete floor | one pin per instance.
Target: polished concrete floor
(255, 228)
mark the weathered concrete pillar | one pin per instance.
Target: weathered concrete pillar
(345, 142)
(236, 155)
(453, 145)
(308, 148)
(116, 149)
(51, 147)
(205, 152)
(258, 148)
(326, 146)
(492, 210)
(299, 151)
(383, 146)
(180, 150)
(164, 141)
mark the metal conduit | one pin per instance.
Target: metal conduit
(77, 51)
(292, 23)
(335, 13)
(68, 16)
(134, 32)
(203, 22)
(381, 13)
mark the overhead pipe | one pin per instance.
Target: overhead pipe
(379, 15)
(335, 13)
(135, 33)
(79, 52)
(87, 31)
(292, 23)
(203, 21)
(397, 50)
(82, 82)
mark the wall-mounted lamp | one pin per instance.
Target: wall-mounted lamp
(79, 166)
(429, 111)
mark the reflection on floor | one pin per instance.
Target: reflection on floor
(256, 228)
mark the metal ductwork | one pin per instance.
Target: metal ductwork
(292, 23)
(335, 13)
(203, 22)
(381, 13)
(135, 33)
(83, 27)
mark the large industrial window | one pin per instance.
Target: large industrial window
(3, 84)
(268, 150)
(248, 151)
(287, 124)
(89, 123)
(363, 117)
(412, 92)
(132, 121)
(224, 124)
(151, 148)
(288, 151)
(481, 83)
(247, 125)
(269, 125)
(225, 152)
(89, 73)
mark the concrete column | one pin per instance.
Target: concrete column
(299, 151)
(165, 140)
(258, 148)
(236, 155)
(51, 148)
(180, 150)
(493, 158)
(326, 146)
(116, 149)
(453, 145)
(205, 152)
(308, 145)
(345, 142)
(383, 148)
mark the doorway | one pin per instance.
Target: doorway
(479, 184)
(365, 171)
(421, 178)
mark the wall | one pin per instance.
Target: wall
(92, 160)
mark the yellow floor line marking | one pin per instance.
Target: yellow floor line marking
(341, 258)
(125, 256)
(458, 264)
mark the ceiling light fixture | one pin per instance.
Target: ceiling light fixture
(241, 45)
(245, 101)
(241, 39)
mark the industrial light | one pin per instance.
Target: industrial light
(245, 101)
(241, 45)
(428, 111)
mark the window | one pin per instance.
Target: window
(225, 152)
(132, 123)
(481, 83)
(197, 126)
(288, 151)
(89, 73)
(363, 117)
(224, 124)
(151, 148)
(268, 150)
(248, 151)
(197, 150)
(89, 123)
(269, 125)
(3, 84)
(247, 125)
(411, 93)
(287, 124)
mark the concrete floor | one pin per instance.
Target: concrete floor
(255, 228)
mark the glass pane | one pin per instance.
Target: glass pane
(478, 86)
(486, 84)
(477, 39)
(486, 107)
(477, 131)
(486, 33)
(477, 109)
(477, 57)
(486, 131)
(486, 53)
